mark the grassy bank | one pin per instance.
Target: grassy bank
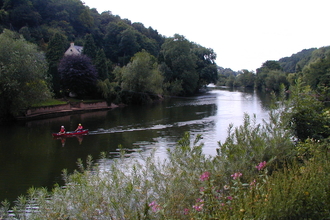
(52, 102)
(259, 173)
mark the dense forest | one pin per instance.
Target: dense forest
(121, 61)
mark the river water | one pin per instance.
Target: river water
(30, 156)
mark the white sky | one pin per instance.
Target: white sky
(243, 33)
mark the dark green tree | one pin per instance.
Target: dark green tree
(318, 73)
(128, 45)
(55, 51)
(176, 53)
(206, 66)
(101, 65)
(90, 49)
(112, 39)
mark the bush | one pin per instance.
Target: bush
(258, 174)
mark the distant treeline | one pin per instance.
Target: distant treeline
(311, 65)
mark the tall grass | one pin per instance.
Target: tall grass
(259, 173)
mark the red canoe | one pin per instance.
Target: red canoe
(71, 133)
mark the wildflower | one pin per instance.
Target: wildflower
(201, 189)
(154, 206)
(186, 211)
(199, 200)
(230, 198)
(261, 165)
(205, 176)
(236, 175)
(198, 208)
(253, 183)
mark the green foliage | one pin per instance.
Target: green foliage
(317, 75)
(55, 50)
(176, 53)
(206, 66)
(101, 65)
(23, 79)
(90, 49)
(245, 79)
(308, 118)
(142, 75)
(296, 62)
(269, 65)
(49, 102)
(109, 90)
(270, 77)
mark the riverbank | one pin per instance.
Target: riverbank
(65, 109)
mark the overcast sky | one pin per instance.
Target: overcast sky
(243, 33)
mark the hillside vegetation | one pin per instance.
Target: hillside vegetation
(121, 61)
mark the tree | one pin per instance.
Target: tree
(269, 65)
(318, 73)
(307, 116)
(55, 50)
(176, 53)
(128, 45)
(142, 76)
(270, 76)
(23, 76)
(245, 79)
(206, 66)
(78, 75)
(90, 49)
(101, 65)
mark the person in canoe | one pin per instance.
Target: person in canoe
(62, 130)
(79, 128)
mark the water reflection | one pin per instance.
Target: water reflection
(29, 156)
(80, 138)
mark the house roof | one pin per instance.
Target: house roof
(74, 50)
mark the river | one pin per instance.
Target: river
(30, 156)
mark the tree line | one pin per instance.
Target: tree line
(121, 61)
(312, 66)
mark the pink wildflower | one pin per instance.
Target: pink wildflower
(236, 175)
(154, 206)
(199, 200)
(253, 183)
(261, 165)
(230, 198)
(198, 208)
(205, 176)
(186, 211)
